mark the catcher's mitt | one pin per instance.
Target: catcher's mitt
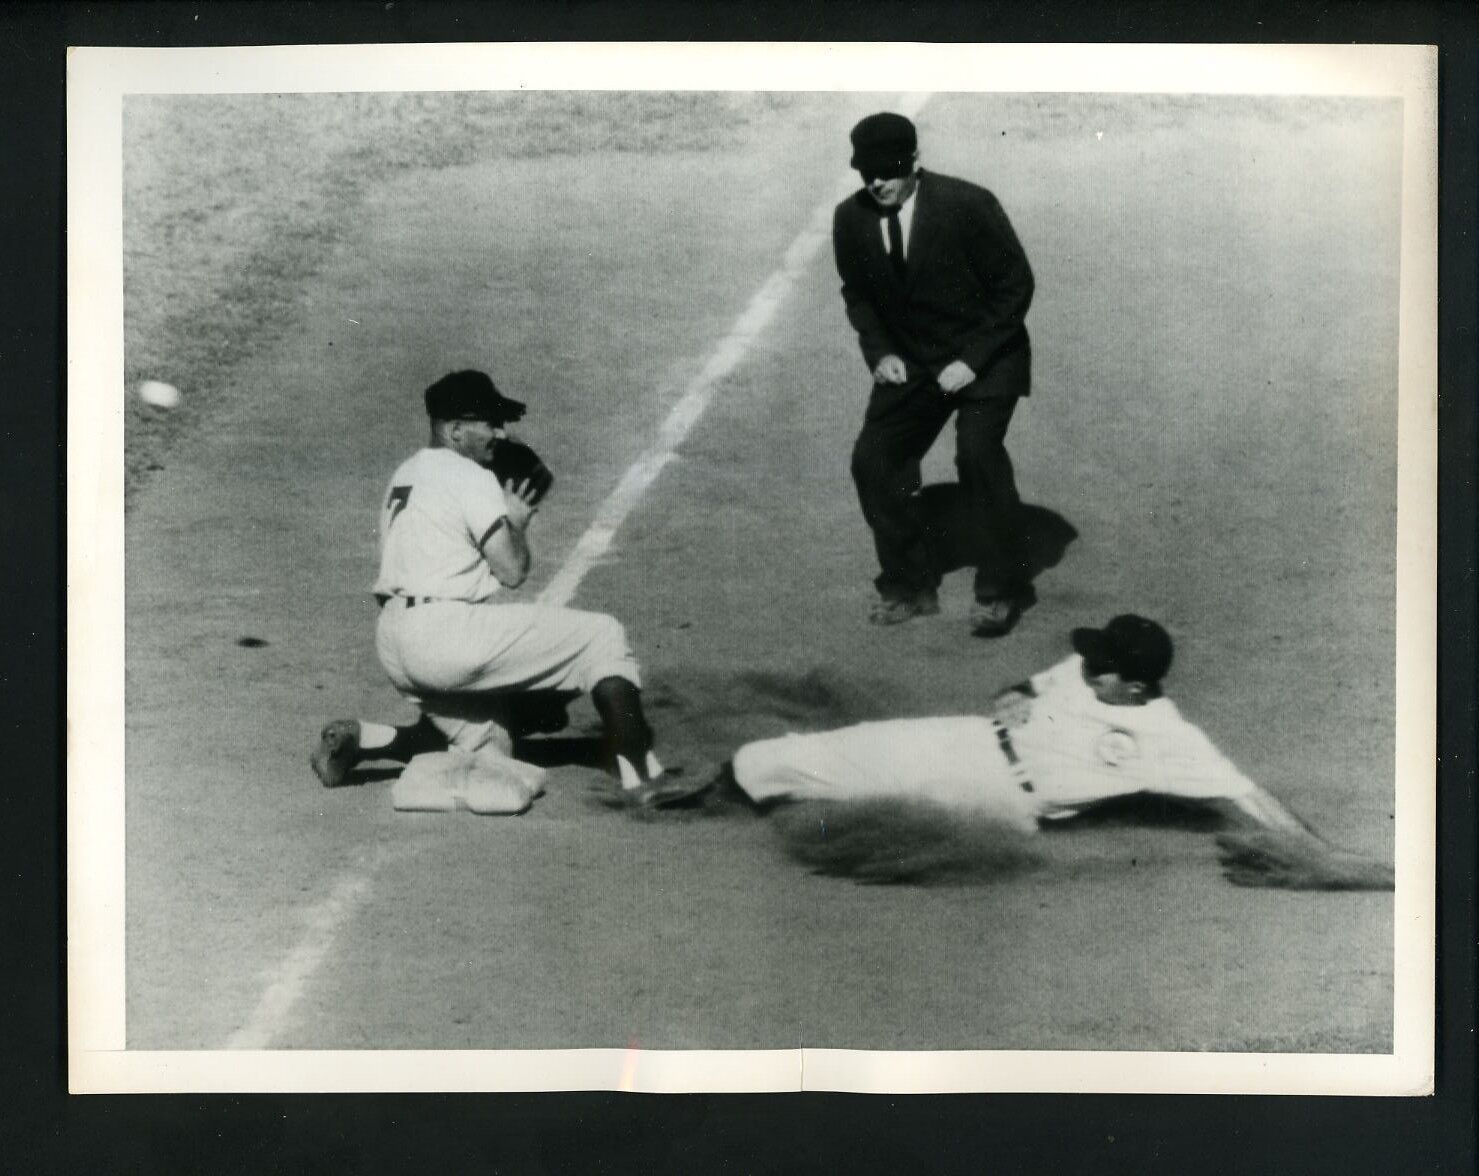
(1288, 861)
(515, 462)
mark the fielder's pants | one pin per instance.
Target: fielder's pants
(896, 435)
(460, 662)
(956, 762)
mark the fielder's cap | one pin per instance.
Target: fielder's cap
(1137, 649)
(470, 396)
(884, 145)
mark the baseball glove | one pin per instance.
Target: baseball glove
(515, 462)
(1288, 861)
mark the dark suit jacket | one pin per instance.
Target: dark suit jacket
(966, 289)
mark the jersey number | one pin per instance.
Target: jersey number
(399, 496)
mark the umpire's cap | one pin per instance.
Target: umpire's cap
(470, 396)
(1137, 649)
(884, 144)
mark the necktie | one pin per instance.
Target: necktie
(896, 243)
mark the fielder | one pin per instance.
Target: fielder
(1093, 727)
(453, 540)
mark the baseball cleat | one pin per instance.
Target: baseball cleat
(337, 752)
(658, 789)
(721, 795)
(665, 791)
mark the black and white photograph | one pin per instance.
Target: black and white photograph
(891, 568)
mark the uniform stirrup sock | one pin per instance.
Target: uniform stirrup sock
(629, 777)
(628, 774)
(411, 741)
(375, 736)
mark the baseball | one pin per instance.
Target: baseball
(159, 394)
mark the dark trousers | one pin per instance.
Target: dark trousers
(901, 425)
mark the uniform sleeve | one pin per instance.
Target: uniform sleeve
(482, 502)
(1000, 265)
(1193, 767)
(873, 337)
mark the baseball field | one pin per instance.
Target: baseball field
(1212, 426)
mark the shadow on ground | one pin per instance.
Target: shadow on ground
(1145, 810)
(1047, 533)
(562, 751)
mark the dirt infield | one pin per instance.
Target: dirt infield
(1214, 416)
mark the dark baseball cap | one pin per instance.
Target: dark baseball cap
(1137, 649)
(884, 144)
(470, 396)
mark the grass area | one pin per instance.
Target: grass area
(232, 201)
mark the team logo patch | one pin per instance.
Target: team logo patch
(1116, 746)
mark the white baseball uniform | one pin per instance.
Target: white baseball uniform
(444, 638)
(1072, 751)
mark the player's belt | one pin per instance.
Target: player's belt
(1014, 761)
(411, 601)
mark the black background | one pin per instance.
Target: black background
(42, 1129)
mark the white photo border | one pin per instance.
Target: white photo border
(98, 79)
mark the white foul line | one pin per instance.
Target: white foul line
(725, 357)
(291, 977)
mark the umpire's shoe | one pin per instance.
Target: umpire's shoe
(994, 618)
(337, 752)
(997, 617)
(895, 610)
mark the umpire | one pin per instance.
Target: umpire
(937, 287)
